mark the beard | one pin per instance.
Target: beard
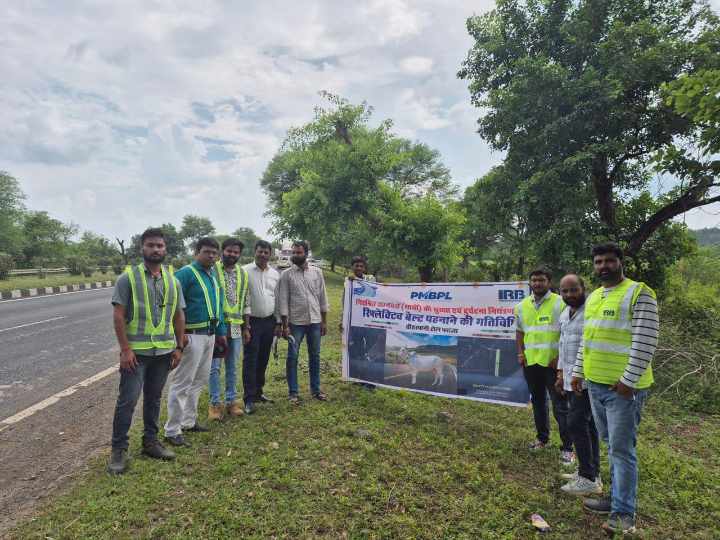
(152, 258)
(229, 260)
(299, 261)
(611, 276)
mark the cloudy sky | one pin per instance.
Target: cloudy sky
(121, 115)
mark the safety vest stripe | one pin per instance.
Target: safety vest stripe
(607, 347)
(614, 325)
(543, 328)
(206, 293)
(541, 346)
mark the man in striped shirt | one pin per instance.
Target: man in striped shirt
(619, 341)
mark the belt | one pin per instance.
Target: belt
(263, 318)
(203, 331)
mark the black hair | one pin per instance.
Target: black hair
(233, 242)
(264, 244)
(303, 244)
(607, 247)
(206, 241)
(358, 259)
(152, 232)
(541, 272)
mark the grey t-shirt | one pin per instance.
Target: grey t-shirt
(122, 296)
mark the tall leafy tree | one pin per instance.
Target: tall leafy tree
(573, 93)
(11, 211)
(195, 227)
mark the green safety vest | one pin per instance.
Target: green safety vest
(541, 328)
(234, 312)
(607, 335)
(141, 332)
(212, 314)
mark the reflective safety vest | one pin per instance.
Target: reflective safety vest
(607, 336)
(541, 328)
(213, 314)
(141, 332)
(234, 312)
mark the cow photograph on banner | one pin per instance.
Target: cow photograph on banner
(446, 339)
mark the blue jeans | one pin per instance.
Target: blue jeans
(298, 332)
(233, 353)
(617, 420)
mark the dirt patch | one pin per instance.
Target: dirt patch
(40, 453)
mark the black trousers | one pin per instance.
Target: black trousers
(149, 378)
(584, 435)
(256, 355)
(541, 382)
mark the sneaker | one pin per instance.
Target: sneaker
(156, 450)
(294, 399)
(177, 440)
(320, 396)
(118, 463)
(264, 399)
(234, 408)
(620, 523)
(537, 445)
(570, 475)
(567, 458)
(197, 428)
(597, 506)
(215, 413)
(249, 407)
(582, 487)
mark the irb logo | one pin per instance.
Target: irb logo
(510, 295)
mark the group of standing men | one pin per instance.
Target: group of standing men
(592, 356)
(184, 325)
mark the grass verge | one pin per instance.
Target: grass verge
(381, 464)
(52, 280)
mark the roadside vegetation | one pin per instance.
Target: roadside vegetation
(382, 464)
(53, 280)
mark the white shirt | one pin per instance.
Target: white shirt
(262, 285)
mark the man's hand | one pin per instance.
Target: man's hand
(246, 335)
(553, 363)
(623, 390)
(128, 361)
(277, 331)
(221, 341)
(186, 340)
(175, 358)
(559, 383)
(323, 328)
(576, 384)
(521, 359)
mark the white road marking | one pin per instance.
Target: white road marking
(31, 324)
(44, 404)
(53, 295)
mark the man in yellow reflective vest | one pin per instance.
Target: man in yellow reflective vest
(234, 284)
(149, 324)
(204, 328)
(538, 334)
(619, 340)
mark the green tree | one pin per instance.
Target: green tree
(573, 94)
(195, 227)
(46, 238)
(248, 237)
(11, 211)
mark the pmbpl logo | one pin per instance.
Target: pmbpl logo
(510, 295)
(430, 295)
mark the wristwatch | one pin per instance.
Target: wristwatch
(179, 348)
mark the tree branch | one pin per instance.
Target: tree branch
(692, 198)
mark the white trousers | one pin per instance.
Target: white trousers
(186, 382)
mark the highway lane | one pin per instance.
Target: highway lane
(50, 343)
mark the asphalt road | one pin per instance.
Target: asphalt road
(50, 343)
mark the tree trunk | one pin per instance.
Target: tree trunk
(426, 274)
(602, 185)
(121, 243)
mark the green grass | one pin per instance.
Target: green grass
(303, 472)
(52, 280)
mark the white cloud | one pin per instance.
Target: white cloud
(121, 115)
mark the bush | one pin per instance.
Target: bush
(118, 265)
(7, 263)
(79, 265)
